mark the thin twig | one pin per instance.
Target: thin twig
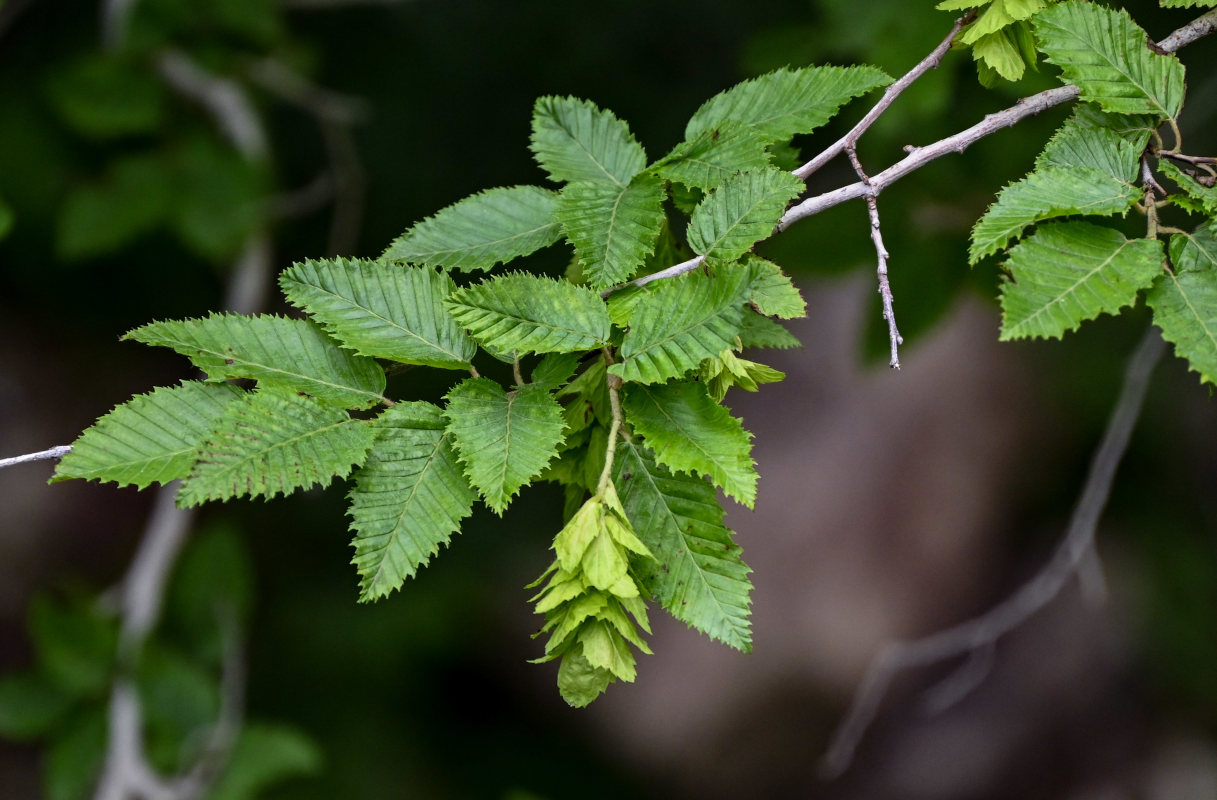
(1026, 107)
(984, 631)
(893, 91)
(876, 235)
(921, 156)
(56, 453)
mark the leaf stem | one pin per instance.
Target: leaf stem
(614, 392)
(515, 369)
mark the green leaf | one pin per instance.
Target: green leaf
(1185, 302)
(579, 682)
(104, 96)
(699, 576)
(75, 757)
(274, 442)
(262, 756)
(482, 230)
(1187, 3)
(1044, 194)
(741, 212)
(6, 219)
(132, 199)
(382, 310)
(771, 291)
(789, 101)
(574, 140)
(613, 228)
(1077, 145)
(1107, 55)
(179, 698)
(409, 498)
(1203, 199)
(76, 643)
(556, 369)
(220, 198)
(759, 331)
(1068, 272)
(604, 648)
(31, 706)
(151, 438)
(689, 432)
(684, 320)
(525, 313)
(289, 354)
(998, 53)
(215, 572)
(706, 160)
(505, 439)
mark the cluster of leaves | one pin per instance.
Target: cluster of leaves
(1107, 159)
(623, 404)
(62, 699)
(1000, 36)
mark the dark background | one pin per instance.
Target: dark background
(891, 504)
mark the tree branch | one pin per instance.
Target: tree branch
(55, 453)
(876, 235)
(980, 633)
(889, 96)
(920, 156)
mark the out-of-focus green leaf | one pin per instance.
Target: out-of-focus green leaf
(263, 756)
(133, 198)
(104, 96)
(75, 643)
(74, 761)
(31, 705)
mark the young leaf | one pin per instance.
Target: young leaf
(699, 576)
(789, 101)
(1185, 302)
(771, 291)
(1068, 272)
(1187, 3)
(741, 212)
(578, 681)
(556, 369)
(482, 230)
(381, 310)
(612, 227)
(574, 140)
(1201, 198)
(689, 432)
(409, 497)
(525, 313)
(685, 320)
(706, 160)
(149, 439)
(1107, 55)
(272, 442)
(505, 439)
(1044, 194)
(279, 353)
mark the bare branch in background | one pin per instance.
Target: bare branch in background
(981, 633)
(335, 114)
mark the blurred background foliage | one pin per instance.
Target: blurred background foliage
(122, 201)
